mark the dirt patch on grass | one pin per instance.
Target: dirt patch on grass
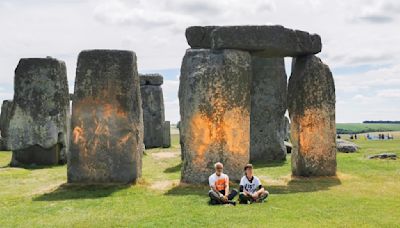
(47, 189)
(164, 185)
(165, 155)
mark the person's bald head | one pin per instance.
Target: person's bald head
(218, 168)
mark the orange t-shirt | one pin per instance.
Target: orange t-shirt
(219, 182)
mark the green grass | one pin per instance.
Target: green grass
(355, 128)
(365, 193)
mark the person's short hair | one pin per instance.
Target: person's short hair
(217, 164)
(248, 166)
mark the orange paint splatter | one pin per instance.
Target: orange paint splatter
(228, 130)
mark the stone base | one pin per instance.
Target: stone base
(36, 155)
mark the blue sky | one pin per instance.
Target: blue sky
(360, 40)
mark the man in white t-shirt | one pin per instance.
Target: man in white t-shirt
(219, 184)
(251, 189)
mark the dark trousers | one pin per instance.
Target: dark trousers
(215, 199)
(248, 199)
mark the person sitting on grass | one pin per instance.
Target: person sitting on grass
(219, 184)
(251, 189)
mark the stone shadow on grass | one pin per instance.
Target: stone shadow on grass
(188, 189)
(295, 185)
(173, 169)
(303, 184)
(77, 191)
(269, 164)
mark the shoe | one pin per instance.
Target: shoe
(232, 203)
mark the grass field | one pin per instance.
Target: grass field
(365, 193)
(355, 128)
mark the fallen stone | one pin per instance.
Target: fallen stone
(391, 156)
(153, 109)
(214, 98)
(268, 106)
(107, 119)
(38, 122)
(199, 36)
(346, 146)
(311, 103)
(167, 134)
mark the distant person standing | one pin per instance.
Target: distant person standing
(355, 136)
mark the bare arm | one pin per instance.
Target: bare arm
(227, 187)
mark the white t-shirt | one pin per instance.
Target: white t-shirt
(250, 186)
(219, 182)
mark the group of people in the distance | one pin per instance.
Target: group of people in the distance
(251, 189)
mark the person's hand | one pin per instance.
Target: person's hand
(254, 196)
(225, 198)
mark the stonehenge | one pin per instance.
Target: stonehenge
(37, 127)
(311, 96)
(311, 103)
(153, 110)
(214, 98)
(233, 95)
(107, 119)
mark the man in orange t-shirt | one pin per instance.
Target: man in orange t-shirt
(219, 184)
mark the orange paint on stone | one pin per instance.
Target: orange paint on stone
(202, 136)
(224, 128)
(237, 136)
(103, 115)
(313, 127)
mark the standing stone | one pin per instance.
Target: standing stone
(268, 106)
(214, 98)
(6, 109)
(153, 109)
(38, 126)
(167, 134)
(286, 129)
(311, 97)
(107, 119)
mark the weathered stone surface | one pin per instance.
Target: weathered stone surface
(40, 114)
(167, 134)
(151, 79)
(199, 36)
(311, 103)
(153, 110)
(266, 40)
(214, 98)
(36, 155)
(268, 106)
(346, 146)
(6, 109)
(107, 119)
(286, 129)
